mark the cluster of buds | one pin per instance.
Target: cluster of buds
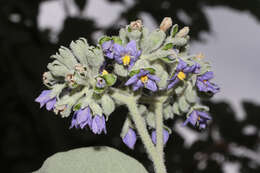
(147, 64)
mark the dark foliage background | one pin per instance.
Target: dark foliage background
(29, 135)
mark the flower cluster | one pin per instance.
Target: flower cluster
(82, 79)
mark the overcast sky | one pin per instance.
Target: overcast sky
(233, 47)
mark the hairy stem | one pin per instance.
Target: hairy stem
(159, 129)
(153, 153)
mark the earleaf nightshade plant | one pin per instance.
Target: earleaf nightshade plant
(152, 73)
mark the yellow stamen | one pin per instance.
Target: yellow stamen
(144, 79)
(104, 72)
(181, 75)
(126, 60)
(198, 118)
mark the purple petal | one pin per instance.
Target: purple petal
(207, 76)
(153, 77)
(73, 120)
(193, 118)
(50, 104)
(98, 125)
(201, 86)
(173, 83)
(138, 85)
(142, 73)
(107, 45)
(43, 98)
(151, 85)
(181, 65)
(132, 80)
(131, 48)
(130, 138)
(204, 115)
(165, 136)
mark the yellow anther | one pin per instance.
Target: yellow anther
(200, 56)
(126, 60)
(144, 79)
(181, 75)
(104, 72)
(198, 118)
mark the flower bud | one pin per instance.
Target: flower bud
(136, 25)
(80, 68)
(70, 79)
(59, 109)
(166, 24)
(183, 32)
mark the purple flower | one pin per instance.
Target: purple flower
(165, 136)
(44, 98)
(181, 72)
(101, 83)
(204, 85)
(81, 118)
(108, 47)
(198, 118)
(126, 55)
(130, 138)
(98, 124)
(143, 79)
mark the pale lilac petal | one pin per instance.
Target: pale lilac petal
(151, 85)
(138, 85)
(43, 98)
(50, 104)
(142, 73)
(165, 136)
(173, 83)
(181, 65)
(207, 76)
(201, 86)
(107, 45)
(132, 80)
(153, 77)
(204, 115)
(130, 138)
(131, 48)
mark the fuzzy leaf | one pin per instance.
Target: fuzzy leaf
(91, 160)
(108, 105)
(168, 113)
(190, 94)
(183, 105)
(58, 69)
(96, 109)
(79, 50)
(117, 40)
(153, 41)
(103, 39)
(120, 70)
(175, 108)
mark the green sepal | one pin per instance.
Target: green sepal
(174, 30)
(151, 70)
(129, 29)
(110, 79)
(77, 107)
(117, 40)
(167, 60)
(167, 46)
(104, 39)
(134, 72)
(99, 90)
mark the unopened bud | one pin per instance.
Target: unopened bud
(79, 68)
(166, 24)
(70, 79)
(136, 25)
(59, 109)
(183, 32)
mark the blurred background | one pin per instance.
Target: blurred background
(226, 31)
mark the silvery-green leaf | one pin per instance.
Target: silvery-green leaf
(141, 64)
(56, 89)
(167, 112)
(58, 69)
(99, 90)
(150, 119)
(134, 35)
(108, 104)
(179, 89)
(120, 70)
(179, 41)
(127, 124)
(174, 30)
(79, 50)
(123, 37)
(183, 105)
(153, 41)
(160, 71)
(96, 109)
(142, 109)
(201, 108)
(91, 160)
(68, 57)
(95, 57)
(48, 79)
(158, 54)
(175, 108)
(193, 80)
(190, 93)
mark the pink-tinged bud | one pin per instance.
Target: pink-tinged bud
(70, 79)
(79, 68)
(59, 109)
(183, 32)
(136, 25)
(166, 24)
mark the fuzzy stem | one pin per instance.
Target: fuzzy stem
(159, 129)
(130, 101)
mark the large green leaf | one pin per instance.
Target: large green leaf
(91, 160)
